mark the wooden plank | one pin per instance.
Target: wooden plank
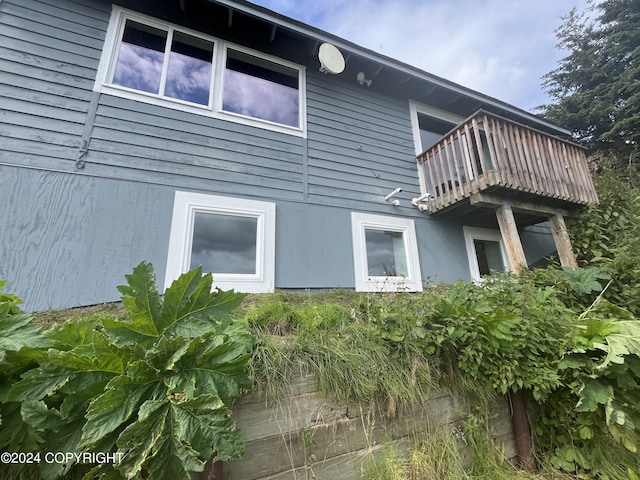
(562, 241)
(340, 445)
(452, 165)
(511, 239)
(555, 167)
(482, 199)
(466, 163)
(494, 149)
(570, 172)
(561, 167)
(545, 187)
(527, 170)
(513, 160)
(478, 179)
(530, 160)
(553, 190)
(476, 132)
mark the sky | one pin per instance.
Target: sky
(501, 48)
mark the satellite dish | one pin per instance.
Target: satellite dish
(331, 60)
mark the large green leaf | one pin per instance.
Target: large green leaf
(71, 334)
(18, 331)
(212, 365)
(117, 405)
(15, 434)
(625, 341)
(175, 436)
(38, 383)
(592, 394)
(142, 301)
(191, 308)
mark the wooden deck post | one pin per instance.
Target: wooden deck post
(562, 241)
(511, 239)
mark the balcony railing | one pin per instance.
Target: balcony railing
(487, 153)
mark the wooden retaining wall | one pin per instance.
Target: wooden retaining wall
(305, 436)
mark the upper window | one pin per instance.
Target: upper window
(429, 125)
(485, 251)
(261, 89)
(232, 238)
(385, 253)
(159, 63)
(164, 62)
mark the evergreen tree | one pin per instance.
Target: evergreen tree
(596, 87)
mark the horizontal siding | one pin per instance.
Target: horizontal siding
(234, 158)
(49, 52)
(360, 146)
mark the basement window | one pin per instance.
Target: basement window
(385, 253)
(485, 251)
(232, 238)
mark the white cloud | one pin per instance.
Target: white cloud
(498, 47)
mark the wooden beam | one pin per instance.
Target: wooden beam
(495, 201)
(511, 239)
(562, 241)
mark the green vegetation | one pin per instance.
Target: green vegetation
(155, 387)
(156, 379)
(595, 89)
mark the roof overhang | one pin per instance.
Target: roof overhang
(274, 25)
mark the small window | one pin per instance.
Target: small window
(485, 251)
(232, 238)
(385, 254)
(261, 89)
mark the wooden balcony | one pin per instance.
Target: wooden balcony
(488, 161)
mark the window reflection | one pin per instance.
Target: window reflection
(260, 89)
(386, 256)
(189, 71)
(489, 256)
(140, 58)
(224, 243)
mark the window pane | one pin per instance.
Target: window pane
(189, 72)
(432, 130)
(260, 89)
(224, 243)
(489, 256)
(386, 256)
(140, 58)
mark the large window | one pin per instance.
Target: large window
(385, 253)
(232, 238)
(156, 62)
(485, 251)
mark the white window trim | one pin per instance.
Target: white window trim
(412, 282)
(186, 204)
(416, 108)
(214, 109)
(475, 233)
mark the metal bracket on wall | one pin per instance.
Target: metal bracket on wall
(83, 149)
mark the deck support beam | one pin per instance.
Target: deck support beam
(562, 241)
(511, 239)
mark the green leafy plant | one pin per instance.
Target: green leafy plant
(155, 387)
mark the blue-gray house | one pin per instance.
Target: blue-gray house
(275, 155)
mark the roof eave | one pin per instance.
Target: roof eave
(346, 46)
